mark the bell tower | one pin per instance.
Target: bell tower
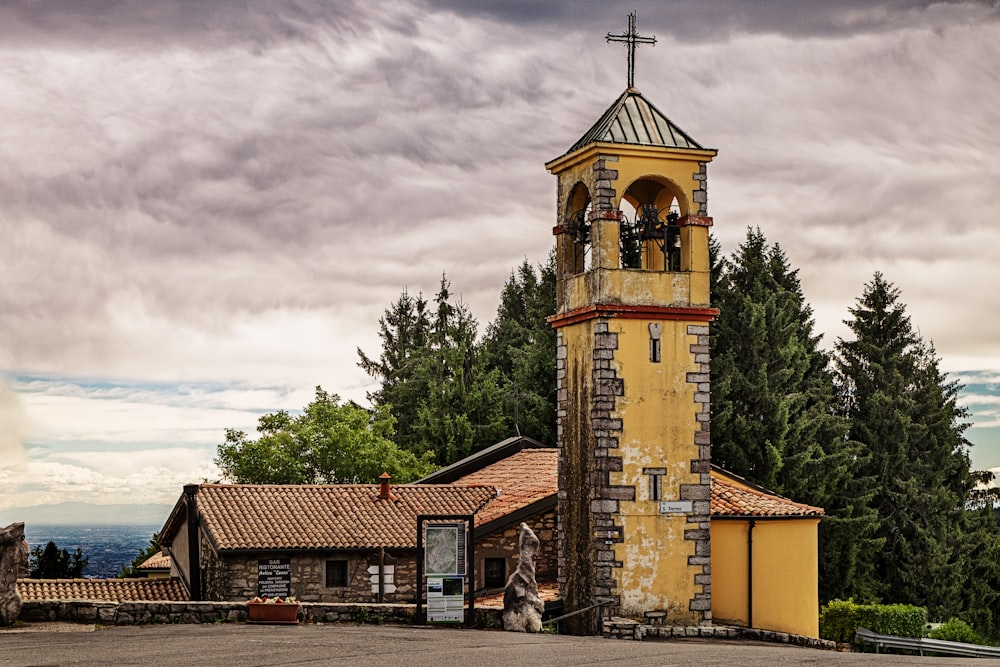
(632, 317)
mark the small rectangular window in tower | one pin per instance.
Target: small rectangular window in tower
(655, 329)
(336, 574)
(494, 572)
(655, 482)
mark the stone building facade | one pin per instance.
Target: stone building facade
(329, 540)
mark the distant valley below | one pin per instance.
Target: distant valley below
(108, 547)
(109, 535)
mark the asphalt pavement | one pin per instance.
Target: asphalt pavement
(388, 646)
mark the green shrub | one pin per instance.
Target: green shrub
(839, 619)
(956, 630)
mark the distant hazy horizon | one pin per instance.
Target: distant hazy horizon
(87, 514)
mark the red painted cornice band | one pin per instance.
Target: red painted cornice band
(599, 310)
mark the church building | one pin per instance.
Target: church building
(632, 318)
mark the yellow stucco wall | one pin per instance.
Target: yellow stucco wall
(658, 425)
(729, 572)
(660, 410)
(785, 574)
(674, 166)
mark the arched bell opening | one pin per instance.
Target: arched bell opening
(650, 238)
(576, 222)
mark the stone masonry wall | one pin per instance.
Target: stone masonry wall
(700, 494)
(503, 544)
(308, 576)
(700, 196)
(141, 613)
(604, 506)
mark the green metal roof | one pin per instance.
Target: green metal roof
(633, 119)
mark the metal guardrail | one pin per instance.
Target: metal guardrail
(557, 619)
(926, 645)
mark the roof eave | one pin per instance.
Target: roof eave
(764, 517)
(173, 522)
(518, 515)
(586, 152)
(481, 459)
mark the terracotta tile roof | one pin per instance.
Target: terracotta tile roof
(729, 499)
(532, 474)
(523, 478)
(160, 561)
(105, 590)
(335, 516)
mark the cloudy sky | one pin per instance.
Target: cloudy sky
(205, 207)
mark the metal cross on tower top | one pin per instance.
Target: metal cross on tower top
(631, 38)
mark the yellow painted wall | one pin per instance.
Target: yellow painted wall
(658, 425)
(659, 411)
(634, 162)
(729, 572)
(785, 574)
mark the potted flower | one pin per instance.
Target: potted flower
(273, 610)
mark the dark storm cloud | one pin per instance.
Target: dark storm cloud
(261, 24)
(699, 20)
(142, 23)
(235, 191)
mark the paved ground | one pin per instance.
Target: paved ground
(388, 646)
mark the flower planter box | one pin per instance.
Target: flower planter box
(277, 612)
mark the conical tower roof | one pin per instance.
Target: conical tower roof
(633, 119)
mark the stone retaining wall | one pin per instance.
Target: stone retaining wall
(623, 628)
(140, 613)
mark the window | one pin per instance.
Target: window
(336, 574)
(495, 572)
(655, 329)
(654, 350)
(655, 482)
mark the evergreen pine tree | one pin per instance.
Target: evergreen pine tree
(521, 344)
(52, 562)
(404, 330)
(461, 410)
(774, 418)
(904, 411)
(435, 379)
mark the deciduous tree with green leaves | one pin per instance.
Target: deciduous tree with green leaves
(330, 442)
